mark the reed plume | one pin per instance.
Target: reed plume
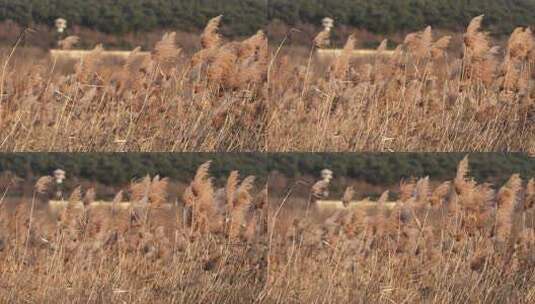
(210, 37)
(199, 203)
(166, 50)
(158, 191)
(140, 190)
(43, 184)
(85, 69)
(230, 191)
(530, 195)
(505, 210)
(383, 198)
(117, 199)
(89, 196)
(515, 70)
(341, 65)
(69, 42)
(480, 63)
(322, 39)
(420, 44)
(348, 196)
(76, 195)
(241, 204)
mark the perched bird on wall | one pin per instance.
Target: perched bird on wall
(59, 177)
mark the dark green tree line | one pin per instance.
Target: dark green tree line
(121, 16)
(387, 16)
(243, 17)
(374, 168)
(120, 168)
(381, 169)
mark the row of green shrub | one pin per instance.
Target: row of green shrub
(380, 169)
(243, 17)
(122, 16)
(388, 169)
(389, 16)
(116, 169)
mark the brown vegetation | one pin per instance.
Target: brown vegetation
(458, 242)
(213, 101)
(152, 251)
(420, 98)
(231, 96)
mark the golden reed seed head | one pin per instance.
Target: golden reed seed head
(43, 184)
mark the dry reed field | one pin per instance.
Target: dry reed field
(213, 100)
(248, 96)
(458, 242)
(139, 248)
(422, 97)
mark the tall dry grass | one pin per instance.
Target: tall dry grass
(427, 96)
(246, 96)
(214, 100)
(152, 251)
(458, 242)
